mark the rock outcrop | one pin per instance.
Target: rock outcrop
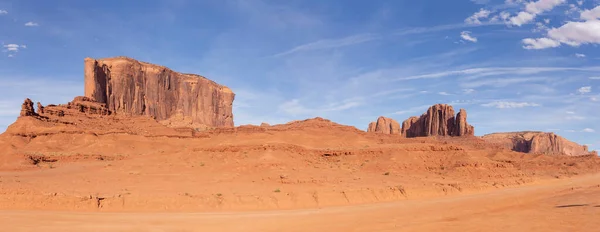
(27, 108)
(439, 120)
(40, 108)
(88, 106)
(385, 125)
(537, 143)
(128, 86)
(462, 128)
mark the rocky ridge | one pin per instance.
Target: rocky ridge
(535, 142)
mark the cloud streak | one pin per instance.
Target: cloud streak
(330, 44)
(510, 105)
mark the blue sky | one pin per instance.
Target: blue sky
(514, 65)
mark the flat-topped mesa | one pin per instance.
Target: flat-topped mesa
(128, 86)
(384, 125)
(535, 142)
(439, 120)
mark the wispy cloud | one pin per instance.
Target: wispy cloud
(468, 91)
(509, 105)
(494, 71)
(411, 110)
(3, 12)
(588, 130)
(501, 82)
(295, 108)
(579, 55)
(330, 43)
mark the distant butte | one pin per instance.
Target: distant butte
(439, 120)
(385, 125)
(128, 86)
(535, 142)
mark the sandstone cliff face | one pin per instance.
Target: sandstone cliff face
(538, 143)
(439, 120)
(127, 86)
(384, 125)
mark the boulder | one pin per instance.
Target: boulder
(385, 125)
(439, 120)
(128, 86)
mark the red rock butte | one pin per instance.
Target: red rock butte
(128, 86)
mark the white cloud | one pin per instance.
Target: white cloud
(13, 47)
(330, 43)
(540, 43)
(591, 14)
(522, 18)
(588, 130)
(577, 33)
(444, 93)
(584, 90)
(31, 24)
(570, 112)
(532, 9)
(579, 55)
(572, 33)
(476, 18)
(11, 55)
(2, 12)
(542, 6)
(466, 35)
(580, 2)
(508, 105)
(546, 21)
(594, 78)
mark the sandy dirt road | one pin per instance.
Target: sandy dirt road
(560, 205)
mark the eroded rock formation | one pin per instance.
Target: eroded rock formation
(40, 108)
(128, 86)
(27, 108)
(384, 125)
(538, 143)
(439, 120)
